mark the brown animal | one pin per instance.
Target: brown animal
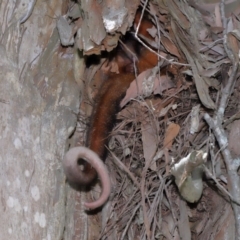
(104, 115)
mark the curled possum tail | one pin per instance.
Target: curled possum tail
(76, 175)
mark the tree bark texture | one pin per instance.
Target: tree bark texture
(39, 101)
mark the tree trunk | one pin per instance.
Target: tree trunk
(39, 103)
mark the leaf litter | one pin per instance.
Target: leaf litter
(153, 128)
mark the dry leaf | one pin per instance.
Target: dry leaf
(170, 46)
(136, 87)
(233, 44)
(170, 134)
(149, 141)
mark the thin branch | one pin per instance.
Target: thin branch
(124, 168)
(150, 49)
(216, 124)
(220, 187)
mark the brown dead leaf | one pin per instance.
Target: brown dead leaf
(158, 106)
(149, 141)
(225, 229)
(155, 104)
(233, 44)
(216, 29)
(232, 7)
(110, 42)
(203, 92)
(168, 227)
(163, 84)
(218, 20)
(170, 134)
(203, 8)
(178, 14)
(136, 87)
(170, 46)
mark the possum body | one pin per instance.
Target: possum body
(103, 118)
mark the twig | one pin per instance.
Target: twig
(171, 206)
(124, 168)
(226, 92)
(232, 119)
(146, 46)
(221, 188)
(129, 221)
(129, 50)
(207, 47)
(134, 58)
(214, 156)
(145, 215)
(215, 124)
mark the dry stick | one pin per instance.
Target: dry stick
(127, 205)
(231, 164)
(232, 119)
(124, 212)
(156, 202)
(129, 221)
(142, 101)
(146, 46)
(210, 45)
(142, 188)
(113, 224)
(144, 8)
(145, 217)
(221, 188)
(146, 223)
(129, 50)
(227, 89)
(214, 156)
(134, 58)
(216, 125)
(124, 168)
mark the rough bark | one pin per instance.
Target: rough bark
(39, 102)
